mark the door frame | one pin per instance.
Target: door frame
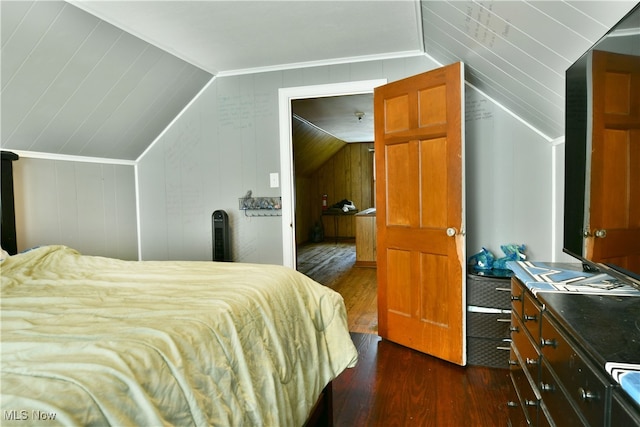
(285, 96)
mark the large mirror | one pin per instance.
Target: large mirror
(602, 157)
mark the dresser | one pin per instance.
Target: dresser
(566, 342)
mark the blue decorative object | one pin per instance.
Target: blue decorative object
(512, 252)
(483, 260)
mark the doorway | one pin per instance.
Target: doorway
(286, 96)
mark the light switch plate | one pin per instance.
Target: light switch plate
(274, 180)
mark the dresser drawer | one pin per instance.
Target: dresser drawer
(531, 316)
(517, 415)
(624, 411)
(517, 296)
(527, 397)
(558, 404)
(526, 308)
(488, 291)
(588, 389)
(516, 409)
(528, 352)
(544, 419)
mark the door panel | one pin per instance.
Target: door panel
(419, 198)
(398, 117)
(434, 269)
(434, 182)
(432, 106)
(615, 161)
(399, 301)
(401, 202)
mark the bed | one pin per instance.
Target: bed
(90, 340)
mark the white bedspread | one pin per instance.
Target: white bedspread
(98, 341)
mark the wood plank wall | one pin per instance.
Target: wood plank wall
(346, 175)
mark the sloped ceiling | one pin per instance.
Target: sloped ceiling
(74, 84)
(348, 117)
(104, 78)
(221, 36)
(312, 146)
(518, 51)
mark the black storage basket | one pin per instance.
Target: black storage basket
(489, 291)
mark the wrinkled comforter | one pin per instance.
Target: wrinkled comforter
(98, 341)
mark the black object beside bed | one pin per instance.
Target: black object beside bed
(8, 216)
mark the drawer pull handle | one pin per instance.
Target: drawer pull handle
(504, 320)
(531, 402)
(514, 329)
(528, 318)
(503, 348)
(587, 395)
(547, 387)
(503, 289)
(548, 343)
(516, 298)
(531, 362)
(512, 404)
(513, 362)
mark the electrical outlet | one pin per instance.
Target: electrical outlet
(273, 180)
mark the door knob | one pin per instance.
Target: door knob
(600, 233)
(451, 231)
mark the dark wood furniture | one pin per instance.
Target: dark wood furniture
(561, 342)
(322, 412)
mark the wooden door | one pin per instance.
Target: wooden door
(420, 221)
(614, 216)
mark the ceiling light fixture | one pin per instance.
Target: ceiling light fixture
(359, 115)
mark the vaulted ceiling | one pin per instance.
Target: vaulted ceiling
(105, 78)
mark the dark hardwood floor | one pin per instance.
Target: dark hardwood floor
(395, 386)
(391, 384)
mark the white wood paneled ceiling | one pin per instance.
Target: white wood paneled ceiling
(348, 117)
(104, 78)
(74, 84)
(221, 36)
(518, 51)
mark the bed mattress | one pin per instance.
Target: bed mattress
(99, 341)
